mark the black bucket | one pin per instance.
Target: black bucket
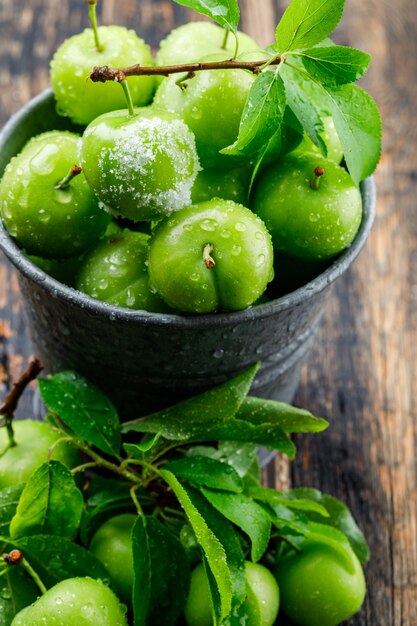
(149, 360)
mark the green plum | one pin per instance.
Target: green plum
(75, 601)
(34, 440)
(82, 100)
(116, 272)
(210, 256)
(112, 545)
(331, 139)
(260, 605)
(212, 106)
(323, 585)
(190, 42)
(142, 166)
(63, 271)
(228, 185)
(47, 221)
(304, 221)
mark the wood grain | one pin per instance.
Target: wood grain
(362, 374)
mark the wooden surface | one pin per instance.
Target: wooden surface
(362, 372)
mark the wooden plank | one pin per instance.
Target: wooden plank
(362, 372)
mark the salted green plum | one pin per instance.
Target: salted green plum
(190, 42)
(46, 221)
(116, 272)
(112, 545)
(141, 167)
(75, 602)
(34, 440)
(228, 185)
(304, 221)
(322, 585)
(260, 607)
(212, 106)
(331, 139)
(82, 100)
(211, 256)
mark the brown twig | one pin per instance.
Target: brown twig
(105, 73)
(9, 404)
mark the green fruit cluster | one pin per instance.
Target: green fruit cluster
(213, 237)
(115, 524)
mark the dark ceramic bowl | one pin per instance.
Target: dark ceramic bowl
(147, 360)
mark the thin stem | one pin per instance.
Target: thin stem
(74, 171)
(56, 443)
(105, 73)
(84, 466)
(226, 37)
(209, 262)
(136, 500)
(236, 44)
(33, 575)
(128, 97)
(10, 432)
(112, 467)
(92, 12)
(316, 178)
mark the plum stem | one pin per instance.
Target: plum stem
(9, 404)
(226, 37)
(209, 262)
(128, 97)
(105, 73)
(136, 500)
(35, 577)
(92, 12)
(316, 178)
(73, 172)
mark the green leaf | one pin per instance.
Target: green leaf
(286, 139)
(137, 450)
(228, 537)
(303, 106)
(162, 574)
(287, 417)
(264, 494)
(306, 23)
(50, 504)
(265, 434)
(339, 517)
(208, 472)
(358, 124)
(241, 456)
(17, 590)
(85, 409)
(214, 551)
(262, 115)
(55, 559)
(181, 421)
(246, 514)
(224, 12)
(9, 499)
(335, 65)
